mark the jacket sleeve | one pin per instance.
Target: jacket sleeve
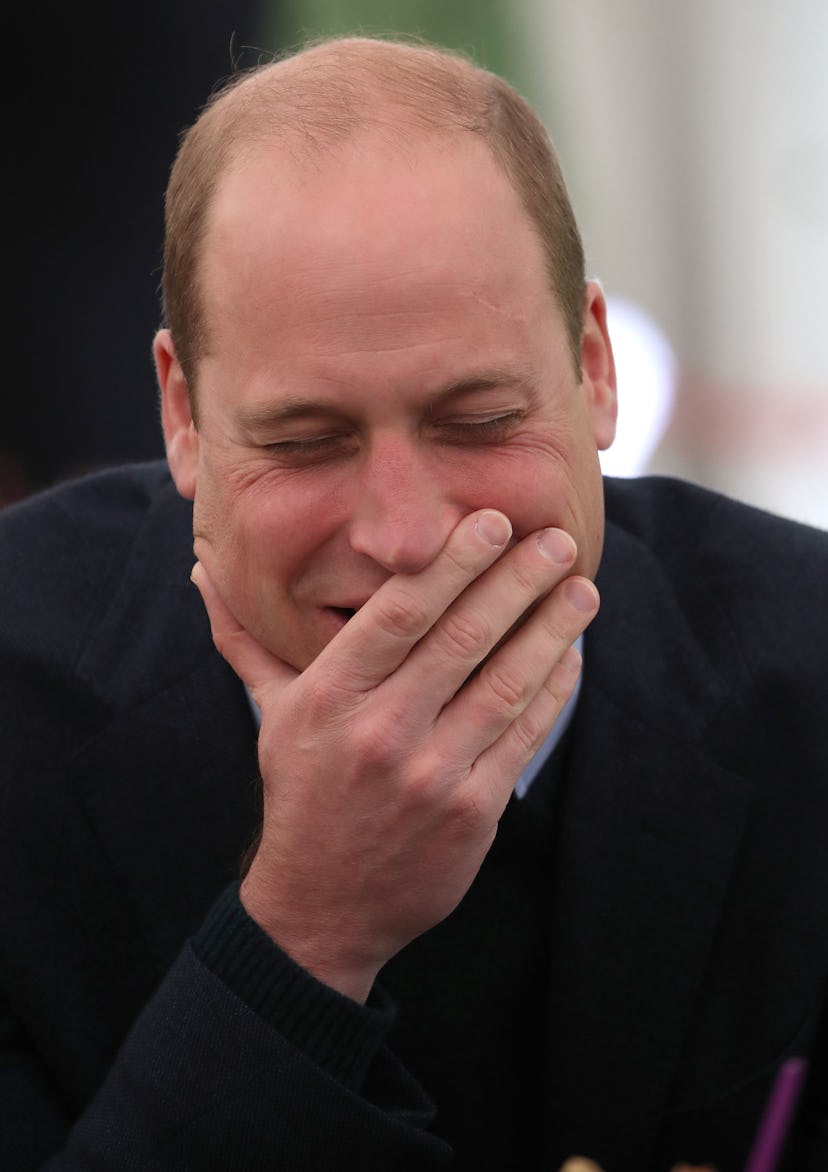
(278, 1072)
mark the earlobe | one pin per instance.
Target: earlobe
(180, 435)
(598, 367)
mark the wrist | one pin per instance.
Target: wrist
(331, 1030)
(325, 957)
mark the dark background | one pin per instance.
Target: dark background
(103, 92)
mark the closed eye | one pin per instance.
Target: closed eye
(317, 447)
(477, 429)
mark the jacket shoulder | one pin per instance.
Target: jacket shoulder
(62, 552)
(670, 516)
(746, 577)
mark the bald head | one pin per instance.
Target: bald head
(317, 101)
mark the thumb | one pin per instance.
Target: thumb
(255, 666)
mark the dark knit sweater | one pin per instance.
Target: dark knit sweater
(462, 1006)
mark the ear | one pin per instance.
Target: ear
(598, 367)
(180, 434)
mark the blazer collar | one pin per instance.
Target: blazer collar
(650, 823)
(170, 780)
(154, 630)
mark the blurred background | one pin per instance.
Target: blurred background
(694, 138)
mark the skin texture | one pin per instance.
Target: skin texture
(389, 418)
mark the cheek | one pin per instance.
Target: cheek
(268, 538)
(541, 488)
(530, 489)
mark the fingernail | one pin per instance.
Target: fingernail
(494, 528)
(581, 594)
(556, 545)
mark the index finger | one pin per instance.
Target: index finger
(380, 635)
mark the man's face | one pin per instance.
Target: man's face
(385, 356)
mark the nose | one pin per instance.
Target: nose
(401, 512)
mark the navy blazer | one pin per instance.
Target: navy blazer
(690, 920)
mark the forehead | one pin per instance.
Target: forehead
(372, 259)
(366, 202)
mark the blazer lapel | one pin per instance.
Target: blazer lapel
(649, 827)
(171, 781)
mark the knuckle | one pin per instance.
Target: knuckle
(466, 812)
(462, 561)
(421, 789)
(529, 733)
(401, 615)
(558, 621)
(508, 687)
(464, 634)
(320, 701)
(376, 741)
(559, 684)
(527, 580)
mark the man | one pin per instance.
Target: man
(489, 915)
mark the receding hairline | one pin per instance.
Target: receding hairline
(338, 87)
(308, 103)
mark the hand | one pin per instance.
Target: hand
(387, 763)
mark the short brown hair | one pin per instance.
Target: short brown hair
(323, 94)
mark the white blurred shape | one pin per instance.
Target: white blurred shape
(645, 366)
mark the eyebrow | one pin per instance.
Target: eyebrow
(492, 380)
(299, 407)
(288, 409)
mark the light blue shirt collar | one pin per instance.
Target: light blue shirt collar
(555, 733)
